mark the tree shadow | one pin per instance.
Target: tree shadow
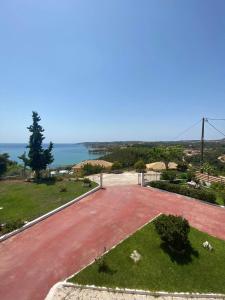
(103, 267)
(181, 258)
(109, 271)
(47, 181)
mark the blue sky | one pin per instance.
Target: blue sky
(111, 69)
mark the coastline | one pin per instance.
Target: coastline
(65, 154)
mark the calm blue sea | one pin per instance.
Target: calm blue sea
(64, 154)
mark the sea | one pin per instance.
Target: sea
(64, 154)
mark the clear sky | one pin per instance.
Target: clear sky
(102, 70)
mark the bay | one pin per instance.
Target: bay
(64, 154)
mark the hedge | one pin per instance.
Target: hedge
(201, 194)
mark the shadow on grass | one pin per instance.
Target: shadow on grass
(108, 271)
(103, 267)
(47, 181)
(183, 258)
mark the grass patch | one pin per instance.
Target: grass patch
(159, 269)
(27, 201)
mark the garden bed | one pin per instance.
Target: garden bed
(159, 269)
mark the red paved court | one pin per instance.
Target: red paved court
(32, 261)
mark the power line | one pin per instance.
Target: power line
(186, 130)
(215, 119)
(215, 127)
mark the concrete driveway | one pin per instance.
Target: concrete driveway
(48, 252)
(125, 178)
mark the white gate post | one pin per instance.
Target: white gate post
(101, 181)
(142, 179)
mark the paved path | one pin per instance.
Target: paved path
(32, 261)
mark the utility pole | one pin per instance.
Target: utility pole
(202, 143)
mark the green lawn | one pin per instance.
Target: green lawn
(27, 201)
(158, 270)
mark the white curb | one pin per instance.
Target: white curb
(45, 216)
(53, 290)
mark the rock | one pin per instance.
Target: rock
(135, 256)
(207, 245)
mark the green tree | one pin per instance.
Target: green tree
(89, 169)
(25, 161)
(4, 160)
(140, 166)
(182, 166)
(38, 157)
(169, 154)
(208, 169)
(116, 166)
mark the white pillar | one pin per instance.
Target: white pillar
(101, 180)
(142, 179)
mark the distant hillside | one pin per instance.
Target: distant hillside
(185, 143)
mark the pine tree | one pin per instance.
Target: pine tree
(38, 157)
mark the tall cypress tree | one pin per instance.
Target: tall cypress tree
(38, 157)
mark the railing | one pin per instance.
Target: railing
(148, 177)
(154, 176)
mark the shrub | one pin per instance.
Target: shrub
(217, 186)
(222, 196)
(182, 167)
(140, 166)
(58, 178)
(191, 176)
(63, 189)
(12, 225)
(47, 180)
(87, 182)
(202, 194)
(168, 175)
(182, 176)
(88, 169)
(173, 230)
(5, 163)
(116, 166)
(102, 265)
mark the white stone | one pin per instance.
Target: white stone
(192, 183)
(210, 247)
(135, 256)
(207, 245)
